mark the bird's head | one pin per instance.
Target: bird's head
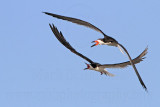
(97, 42)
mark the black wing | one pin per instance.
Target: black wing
(136, 60)
(134, 67)
(77, 21)
(61, 38)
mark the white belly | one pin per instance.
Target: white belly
(99, 69)
(108, 43)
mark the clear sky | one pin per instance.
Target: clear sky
(37, 71)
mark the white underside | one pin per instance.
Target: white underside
(111, 44)
(102, 70)
(108, 43)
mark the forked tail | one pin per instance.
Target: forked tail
(108, 73)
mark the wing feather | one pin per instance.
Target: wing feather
(136, 60)
(61, 38)
(77, 21)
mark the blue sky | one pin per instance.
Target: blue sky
(37, 71)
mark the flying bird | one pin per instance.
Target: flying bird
(107, 40)
(94, 65)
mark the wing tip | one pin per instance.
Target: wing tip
(45, 12)
(145, 88)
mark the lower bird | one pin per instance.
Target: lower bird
(93, 65)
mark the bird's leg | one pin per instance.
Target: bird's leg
(101, 73)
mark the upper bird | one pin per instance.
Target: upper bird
(93, 65)
(107, 40)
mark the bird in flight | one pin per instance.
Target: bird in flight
(94, 65)
(107, 40)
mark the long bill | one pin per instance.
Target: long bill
(87, 67)
(134, 67)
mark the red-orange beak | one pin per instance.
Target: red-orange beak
(97, 43)
(87, 66)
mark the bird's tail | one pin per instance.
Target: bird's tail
(121, 49)
(108, 73)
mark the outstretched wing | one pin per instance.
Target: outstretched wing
(61, 38)
(136, 60)
(134, 67)
(77, 21)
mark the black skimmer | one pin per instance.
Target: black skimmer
(107, 40)
(93, 65)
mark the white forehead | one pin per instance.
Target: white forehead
(100, 42)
